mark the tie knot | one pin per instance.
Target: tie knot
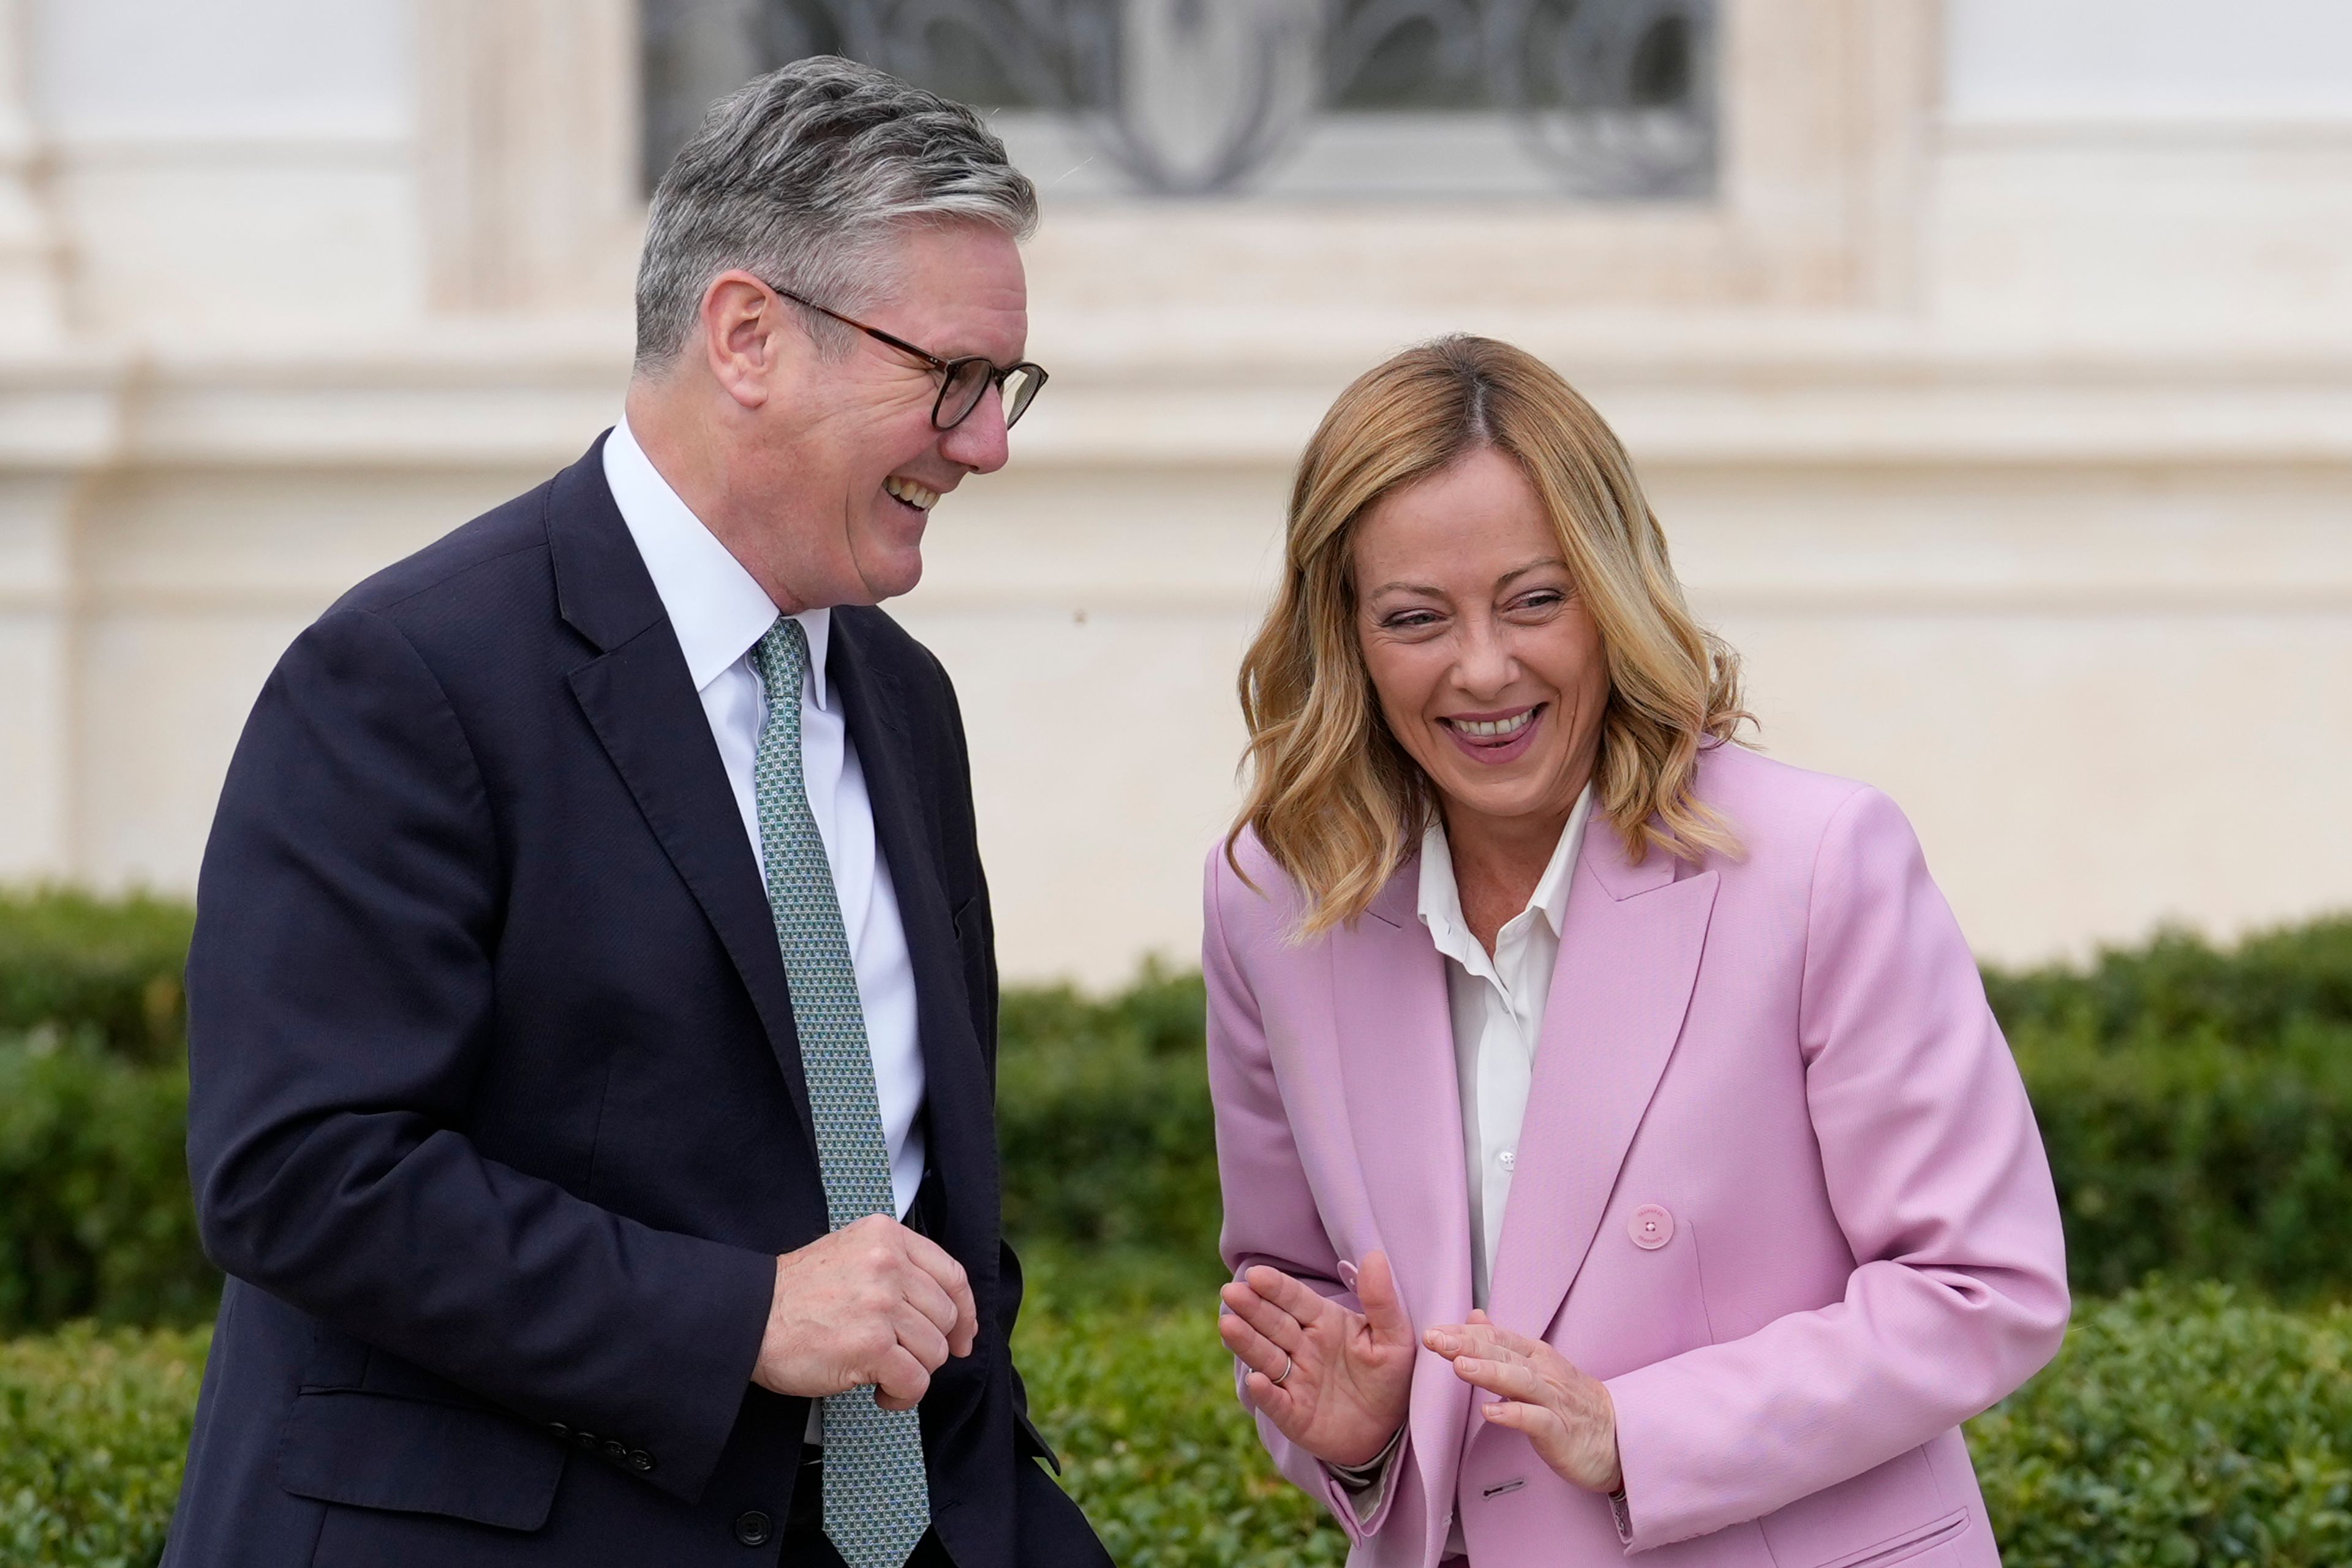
(782, 654)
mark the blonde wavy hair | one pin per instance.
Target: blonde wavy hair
(1333, 797)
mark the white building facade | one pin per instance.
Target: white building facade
(1995, 391)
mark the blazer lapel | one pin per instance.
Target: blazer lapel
(1629, 957)
(959, 1104)
(643, 707)
(1395, 1052)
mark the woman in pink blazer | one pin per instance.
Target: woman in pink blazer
(1619, 1155)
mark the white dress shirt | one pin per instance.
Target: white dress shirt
(1498, 1002)
(718, 612)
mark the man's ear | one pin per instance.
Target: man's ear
(747, 337)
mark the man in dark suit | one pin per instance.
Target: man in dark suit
(592, 1005)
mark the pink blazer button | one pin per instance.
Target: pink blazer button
(1347, 1274)
(1651, 1228)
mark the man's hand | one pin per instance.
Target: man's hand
(1567, 1414)
(872, 1303)
(1334, 1382)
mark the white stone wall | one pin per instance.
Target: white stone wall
(231, 170)
(2001, 413)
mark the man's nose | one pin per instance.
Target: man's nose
(980, 443)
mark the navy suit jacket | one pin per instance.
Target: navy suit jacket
(496, 1117)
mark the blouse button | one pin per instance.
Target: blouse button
(1651, 1228)
(1509, 1159)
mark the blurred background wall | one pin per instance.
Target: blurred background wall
(1990, 363)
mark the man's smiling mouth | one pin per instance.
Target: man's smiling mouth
(906, 492)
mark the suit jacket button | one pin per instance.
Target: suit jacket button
(584, 1439)
(753, 1528)
(640, 1461)
(617, 1451)
(1651, 1228)
(558, 1431)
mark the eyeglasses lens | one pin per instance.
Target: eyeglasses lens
(1021, 384)
(967, 382)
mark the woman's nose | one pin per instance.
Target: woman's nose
(1485, 662)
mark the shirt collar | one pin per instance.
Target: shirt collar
(1551, 890)
(1441, 895)
(716, 607)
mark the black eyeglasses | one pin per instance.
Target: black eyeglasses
(962, 381)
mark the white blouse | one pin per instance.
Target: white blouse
(1497, 1004)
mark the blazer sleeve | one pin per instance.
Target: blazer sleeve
(341, 1007)
(1938, 1178)
(1271, 1217)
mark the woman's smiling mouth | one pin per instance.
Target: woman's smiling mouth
(1494, 738)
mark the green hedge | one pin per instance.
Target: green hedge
(2197, 1104)
(2178, 986)
(74, 961)
(2179, 1427)
(2202, 1158)
(1110, 1160)
(95, 1219)
(93, 1430)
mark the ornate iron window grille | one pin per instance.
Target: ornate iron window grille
(1611, 97)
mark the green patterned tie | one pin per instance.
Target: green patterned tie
(878, 1502)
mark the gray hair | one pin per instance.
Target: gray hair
(798, 177)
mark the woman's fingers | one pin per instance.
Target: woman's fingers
(1452, 1340)
(1510, 1379)
(1488, 1341)
(1264, 1360)
(1383, 1306)
(1269, 1318)
(1539, 1422)
(1257, 1351)
(1276, 1399)
(1303, 1305)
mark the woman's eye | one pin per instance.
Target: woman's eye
(1548, 599)
(1409, 620)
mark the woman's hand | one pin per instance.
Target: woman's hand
(1334, 1382)
(1567, 1416)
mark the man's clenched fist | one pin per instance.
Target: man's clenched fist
(872, 1303)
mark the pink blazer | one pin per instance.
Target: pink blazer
(1779, 1187)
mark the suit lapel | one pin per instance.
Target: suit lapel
(959, 1105)
(1629, 957)
(1396, 1066)
(643, 707)
(1395, 1053)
